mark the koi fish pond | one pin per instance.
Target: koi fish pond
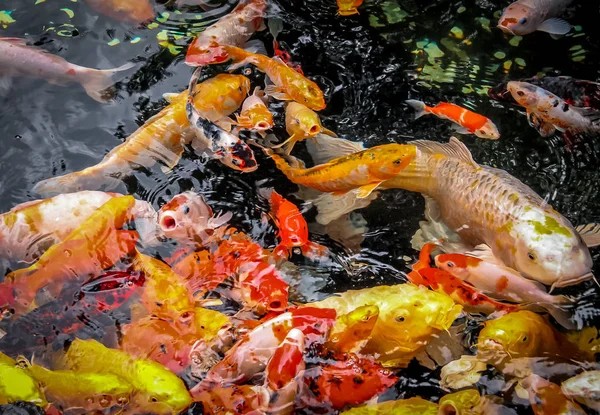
(312, 207)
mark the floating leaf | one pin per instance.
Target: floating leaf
(135, 39)
(152, 25)
(5, 18)
(114, 42)
(499, 55)
(69, 12)
(164, 16)
(457, 32)
(39, 1)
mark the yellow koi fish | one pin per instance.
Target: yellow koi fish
(17, 385)
(255, 115)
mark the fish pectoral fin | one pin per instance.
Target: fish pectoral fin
(323, 148)
(459, 129)
(277, 93)
(590, 233)
(332, 206)
(555, 26)
(366, 190)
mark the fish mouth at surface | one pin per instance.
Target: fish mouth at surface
(167, 222)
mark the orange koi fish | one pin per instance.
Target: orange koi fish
(233, 29)
(131, 11)
(162, 138)
(91, 248)
(293, 230)
(546, 398)
(262, 287)
(289, 85)
(365, 170)
(461, 292)
(255, 115)
(301, 123)
(469, 121)
(348, 7)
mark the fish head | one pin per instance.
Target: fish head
(239, 157)
(160, 391)
(260, 118)
(457, 265)
(549, 250)
(184, 213)
(293, 229)
(347, 7)
(519, 19)
(524, 93)
(308, 93)
(301, 120)
(390, 159)
(510, 336)
(488, 131)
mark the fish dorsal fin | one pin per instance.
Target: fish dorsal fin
(454, 149)
(590, 233)
(323, 148)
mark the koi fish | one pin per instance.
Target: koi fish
(352, 330)
(17, 385)
(255, 115)
(503, 283)
(348, 7)
(584, 388)
(262, 288)
(289, 85)
(217, 140)
(554, 110)
(526, 16)
(547, 398)
(233, 29)
(349, 380)
(365, 170)
(161, 139)
(19, 59)
(479, 206)
(238, 400)
(292, 228)
(409, 316)
(158, 390)
(469, 122)
(28, 229)
(408, 406)
(89, 391)
(188, 218)
(301, 123)
(91, 248)
(129, 11)
(441, 281)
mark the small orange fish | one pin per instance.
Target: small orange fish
(132, 11)
(289, 85)
(461, 292)
(293, 230)
(469, 121)
(348, 7)
(255, 115)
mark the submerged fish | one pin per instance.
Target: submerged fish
(348, 7)
(131, 11)
(554, 110)
(409, 317)
(526, 16)
(19, 59)
(158, 390)
(301, 123)
(288, 83)
(233, 29)
(469, 122)
(483, 205)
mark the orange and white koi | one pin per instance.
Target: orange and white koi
(526, 16)
(365, 170)
(461, 292)
(469, 121)
(255, 115)
(233, 29)
(301, 123)
(289, 85)
(293, 229)
(19, 59)
(546, 398)
(94, 246)
(348, 7)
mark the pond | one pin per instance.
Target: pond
(367, 66)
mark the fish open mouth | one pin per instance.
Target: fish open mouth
(167, 222)
(262, 125)
(314, 130)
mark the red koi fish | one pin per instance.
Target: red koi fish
(469, 121)
(440, 280)
(233, 29)
(293, 230)
(262, 288)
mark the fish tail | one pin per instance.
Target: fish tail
(75, 182)
(96, 82)
(419, 106)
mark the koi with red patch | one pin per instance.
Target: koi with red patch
(469, 121)
(461, 292)
(293, 229)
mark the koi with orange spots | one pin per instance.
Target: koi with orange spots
(289, 85)
(469, 122)
(293, 229)
(461, 292)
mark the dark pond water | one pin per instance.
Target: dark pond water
(367, 66)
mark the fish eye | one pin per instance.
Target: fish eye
(398, 162)
(240, 89)
(524, 339)
(450, 264)
(523, 20)
(531, 256)
(400, 319)
(186, 209)
(152, 399)
(520, 93)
